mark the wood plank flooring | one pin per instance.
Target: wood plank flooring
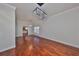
(37, 46)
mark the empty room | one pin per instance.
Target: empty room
(39, 29)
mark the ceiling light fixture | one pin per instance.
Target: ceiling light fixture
(39, 12)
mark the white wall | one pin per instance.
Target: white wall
(63, 27)
(7, 27)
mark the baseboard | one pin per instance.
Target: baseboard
(65, 43)
(7, 49)
(18, 35)
(28, 35)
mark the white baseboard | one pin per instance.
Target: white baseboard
(7, 48)
(73, 45)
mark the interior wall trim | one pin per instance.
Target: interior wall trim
(7, 48)
(62, 12)
(65, 43)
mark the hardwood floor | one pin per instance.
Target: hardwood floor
(36, 46)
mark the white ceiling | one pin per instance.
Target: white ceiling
(54, 8)
(25, 10)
